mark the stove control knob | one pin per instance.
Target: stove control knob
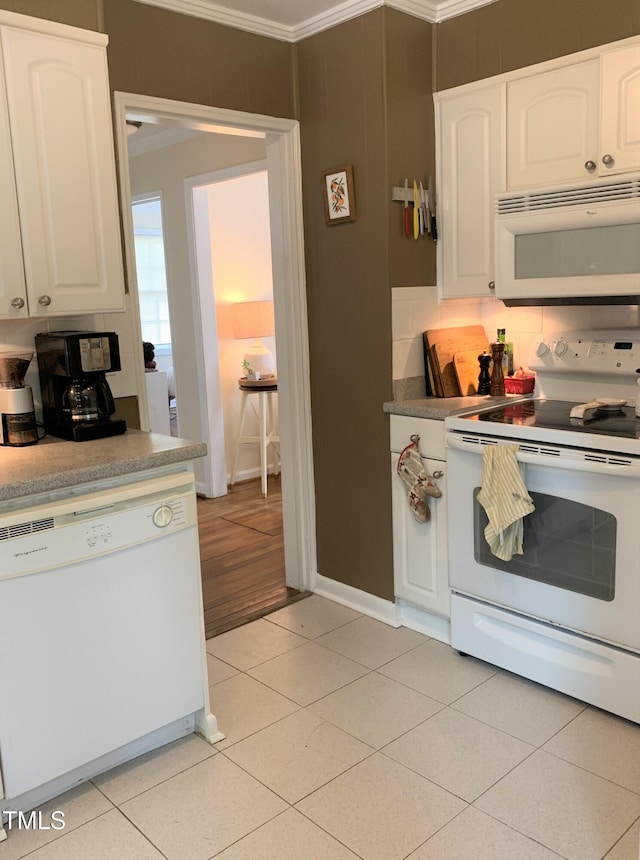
(542, 349)
(560, 348)
(162, 516)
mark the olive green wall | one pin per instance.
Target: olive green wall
(512, 34)
(78, 13)
(410, 139)
(365, 100)
(159, 53)
(343, 121)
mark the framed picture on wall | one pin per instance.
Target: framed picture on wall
(338, 195)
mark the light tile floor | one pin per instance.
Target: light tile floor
(346, 739)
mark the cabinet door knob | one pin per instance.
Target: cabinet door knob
(492, 285)
(590, 165)
(45, 301)
(608, 160)
(18, 302)
(437, 474)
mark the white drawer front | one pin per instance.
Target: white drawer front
(431, 434)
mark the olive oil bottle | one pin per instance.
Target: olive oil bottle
(507, 358)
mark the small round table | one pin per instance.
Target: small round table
(265, 389)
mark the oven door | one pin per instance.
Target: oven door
(579, 567)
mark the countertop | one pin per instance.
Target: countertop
(439, 408)
(54, 463)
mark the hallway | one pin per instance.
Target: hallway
(242, 555)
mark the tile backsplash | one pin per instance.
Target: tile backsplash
(415, 309)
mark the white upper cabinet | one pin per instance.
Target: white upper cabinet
(574, 123)
(568, 121)
(552, 126)
(55, 82)
(620, 112)
(470, 171)
(12, 286)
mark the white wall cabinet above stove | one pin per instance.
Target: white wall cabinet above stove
(60, 250)
(562, 122)
(575, 123)
(620, 110)
(420, 549)
(552, 126)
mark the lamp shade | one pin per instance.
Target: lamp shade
(253, 320)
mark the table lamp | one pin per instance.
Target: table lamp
(253, 320)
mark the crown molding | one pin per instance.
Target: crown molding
(332, 17)
(433, 11)
(229, 17)
(445, 9)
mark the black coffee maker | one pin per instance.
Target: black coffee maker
(77, 402)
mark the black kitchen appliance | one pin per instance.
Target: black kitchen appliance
(76, 399)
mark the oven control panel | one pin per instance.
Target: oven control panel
(616, 353)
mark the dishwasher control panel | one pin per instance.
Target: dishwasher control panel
(98, 534)
(95, 529)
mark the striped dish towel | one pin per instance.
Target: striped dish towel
(505, 500)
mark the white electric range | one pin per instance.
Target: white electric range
(565, 612)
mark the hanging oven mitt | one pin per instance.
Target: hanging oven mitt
(419, 483)
(505, 500)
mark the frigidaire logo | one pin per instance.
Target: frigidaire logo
(34, 820)
(30, 551)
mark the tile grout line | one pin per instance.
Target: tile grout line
(628, 830)
(590, 772)
(162, 781)
(142, 833)
(62, 834)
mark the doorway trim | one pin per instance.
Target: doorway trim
(289, 296)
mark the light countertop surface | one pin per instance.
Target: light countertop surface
(439, 408)
(53, 463)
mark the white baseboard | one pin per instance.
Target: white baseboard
(434, 626)
(245, 475)
(248, 474)
(354, 598)
(398, 614)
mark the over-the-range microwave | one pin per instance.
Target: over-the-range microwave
(578, 245)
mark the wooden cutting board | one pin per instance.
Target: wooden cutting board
(467, 370)
(444, 343)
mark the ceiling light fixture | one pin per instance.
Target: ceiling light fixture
(132, 126)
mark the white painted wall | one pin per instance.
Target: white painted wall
(241, 260)
(165, 170)
(415, 309)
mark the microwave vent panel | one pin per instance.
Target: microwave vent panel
(585, 195)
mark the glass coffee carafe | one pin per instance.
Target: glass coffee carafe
(87, 400)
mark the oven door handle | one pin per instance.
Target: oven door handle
(616, 465)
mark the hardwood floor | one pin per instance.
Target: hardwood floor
(242, 556)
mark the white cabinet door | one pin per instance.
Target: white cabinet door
(552, 126)
(470, 172)
(620, 112)
(420, 549)
(59, 109)
(13, 302)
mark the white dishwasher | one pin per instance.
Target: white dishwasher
(101, 630)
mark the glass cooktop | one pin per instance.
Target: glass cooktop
(554, 415)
